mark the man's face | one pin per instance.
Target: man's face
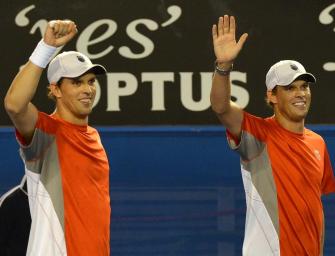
(77, 95)
(293, 101)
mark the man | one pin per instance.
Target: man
(285, 167)
(66, 165)
(15, 220)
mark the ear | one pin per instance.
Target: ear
(55, 90)
(271, 97)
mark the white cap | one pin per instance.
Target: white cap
(285, 72)
(71, 64)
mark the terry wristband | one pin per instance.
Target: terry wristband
(42, 54)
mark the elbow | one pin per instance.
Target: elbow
(219, 110)
(11, 107)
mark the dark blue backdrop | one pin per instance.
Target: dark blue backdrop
(174, 190)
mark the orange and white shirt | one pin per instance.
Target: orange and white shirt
(284, 175)
(68, 186)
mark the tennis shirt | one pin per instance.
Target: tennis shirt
(68, 186)
(284, 175)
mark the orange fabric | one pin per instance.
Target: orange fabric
(302, 172)
(85, 183)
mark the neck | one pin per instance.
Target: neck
(290, 125)
(70, 118)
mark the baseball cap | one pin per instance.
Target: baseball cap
(285, 72)
(71, 64)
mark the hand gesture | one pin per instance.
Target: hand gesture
(225, 46)
(59, 32)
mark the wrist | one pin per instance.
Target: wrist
(223, 68)
(223, 64)
(42, 54)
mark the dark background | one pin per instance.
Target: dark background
(278, 29)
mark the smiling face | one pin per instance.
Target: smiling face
(292, 102)
(75, 97)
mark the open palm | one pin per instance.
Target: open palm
(226, 48)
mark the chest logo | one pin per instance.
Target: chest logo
(317, 154)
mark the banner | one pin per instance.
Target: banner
(160, 59)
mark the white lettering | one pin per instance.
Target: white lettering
(239, 93)
(115, 91)
(147, 44)
(175, 12)
(84, 39)
(21, 18)
(158, 81)
(186, 90)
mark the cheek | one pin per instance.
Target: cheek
(94, 91)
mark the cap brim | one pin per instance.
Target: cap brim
(308, 77)
(97, 69)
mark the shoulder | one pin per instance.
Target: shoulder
(313, 135)
(46, 121)
(252, 122)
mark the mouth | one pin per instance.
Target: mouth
(300, 104)
(86, 101)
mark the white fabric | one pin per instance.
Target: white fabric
(46, 234)
(71, 64)
(285, 72)
(260, 237)
(42, 54)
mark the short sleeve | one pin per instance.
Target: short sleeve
(328, 180)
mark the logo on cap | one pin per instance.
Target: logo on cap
(294, 67)
(80, 58)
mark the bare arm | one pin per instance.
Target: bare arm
(226, 50)
(20, 93)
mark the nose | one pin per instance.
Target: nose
(301, 92)
(87, 88)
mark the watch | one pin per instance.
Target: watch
(221, 71)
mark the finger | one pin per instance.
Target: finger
(63, 30)
(52, 23)
(225, 24)
(220, 26)
(73, 28)
(66, 38)
(232, 25)
(242, 40)
(214, 32)
(55, 27)
(65, 27)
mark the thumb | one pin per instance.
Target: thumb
(242, 40)
(67, 37)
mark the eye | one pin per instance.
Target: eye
(76, 82)
(305, 86)
(288, 88)
(92, 81)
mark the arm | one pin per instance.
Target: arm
(17, 101)
(226, 50)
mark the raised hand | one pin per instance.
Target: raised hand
(226, 48)
(59, 32)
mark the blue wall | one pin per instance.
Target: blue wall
(174, 190)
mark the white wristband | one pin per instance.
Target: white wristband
(42, 54)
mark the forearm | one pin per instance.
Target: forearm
(221, 92)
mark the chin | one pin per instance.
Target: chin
(299, 118)
(84, 114)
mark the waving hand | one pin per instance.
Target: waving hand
(225, 46)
